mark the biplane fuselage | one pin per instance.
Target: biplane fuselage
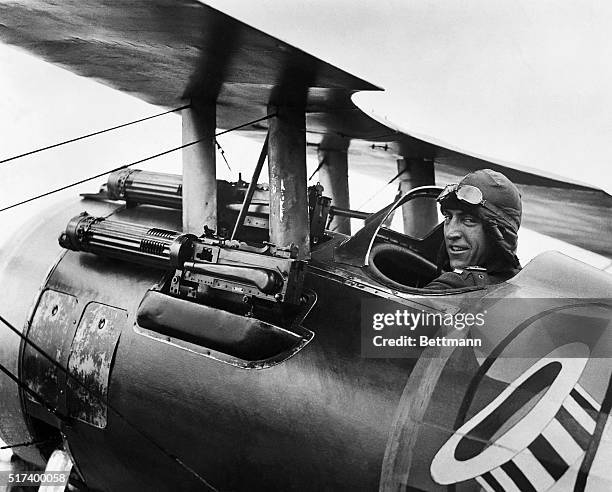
(319, 415)
(156, 358)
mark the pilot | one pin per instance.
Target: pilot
(482, 215)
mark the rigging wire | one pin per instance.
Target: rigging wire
(92, 134)
(33, 394)
(381, 189)
(222, 152)
(321, 164)
(374, 195)
(62, 188)
(26, 444)
(96, 393)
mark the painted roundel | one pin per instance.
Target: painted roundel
(550, 422)
(546, 427)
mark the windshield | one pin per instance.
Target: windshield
(419, 221)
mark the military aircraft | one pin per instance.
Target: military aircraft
(186, 333)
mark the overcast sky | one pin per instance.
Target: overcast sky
(520, 81)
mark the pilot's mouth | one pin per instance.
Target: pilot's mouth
(457, 249)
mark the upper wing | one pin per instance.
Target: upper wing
(166, 51)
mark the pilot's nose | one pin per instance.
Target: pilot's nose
(452, 229)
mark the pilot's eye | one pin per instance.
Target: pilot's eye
(470, 220)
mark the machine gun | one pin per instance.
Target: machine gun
(135, 186)
(200, 264)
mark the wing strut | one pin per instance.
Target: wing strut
(333, 175)
(199, 168)
(419, 216)
(289, 224)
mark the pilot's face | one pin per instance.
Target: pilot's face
(465, 239)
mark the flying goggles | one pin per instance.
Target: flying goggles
(472, 195)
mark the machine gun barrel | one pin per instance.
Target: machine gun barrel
(166, 190)
(136, 186)
(140, 244)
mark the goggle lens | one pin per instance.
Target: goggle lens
(469, 194)
(466, 193)
(472, 195)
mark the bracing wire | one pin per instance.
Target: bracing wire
(32, 393)
(341, 220)
(76, 139)
(319, 166)
(222, 152)
(377, 192)
(76, 183)
(97, 394)
(25, 444)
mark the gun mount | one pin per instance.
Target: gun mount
(200, 264)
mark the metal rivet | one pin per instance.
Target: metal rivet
(101, 323)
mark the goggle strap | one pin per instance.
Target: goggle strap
(450, 188)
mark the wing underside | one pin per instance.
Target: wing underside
(166, 52)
